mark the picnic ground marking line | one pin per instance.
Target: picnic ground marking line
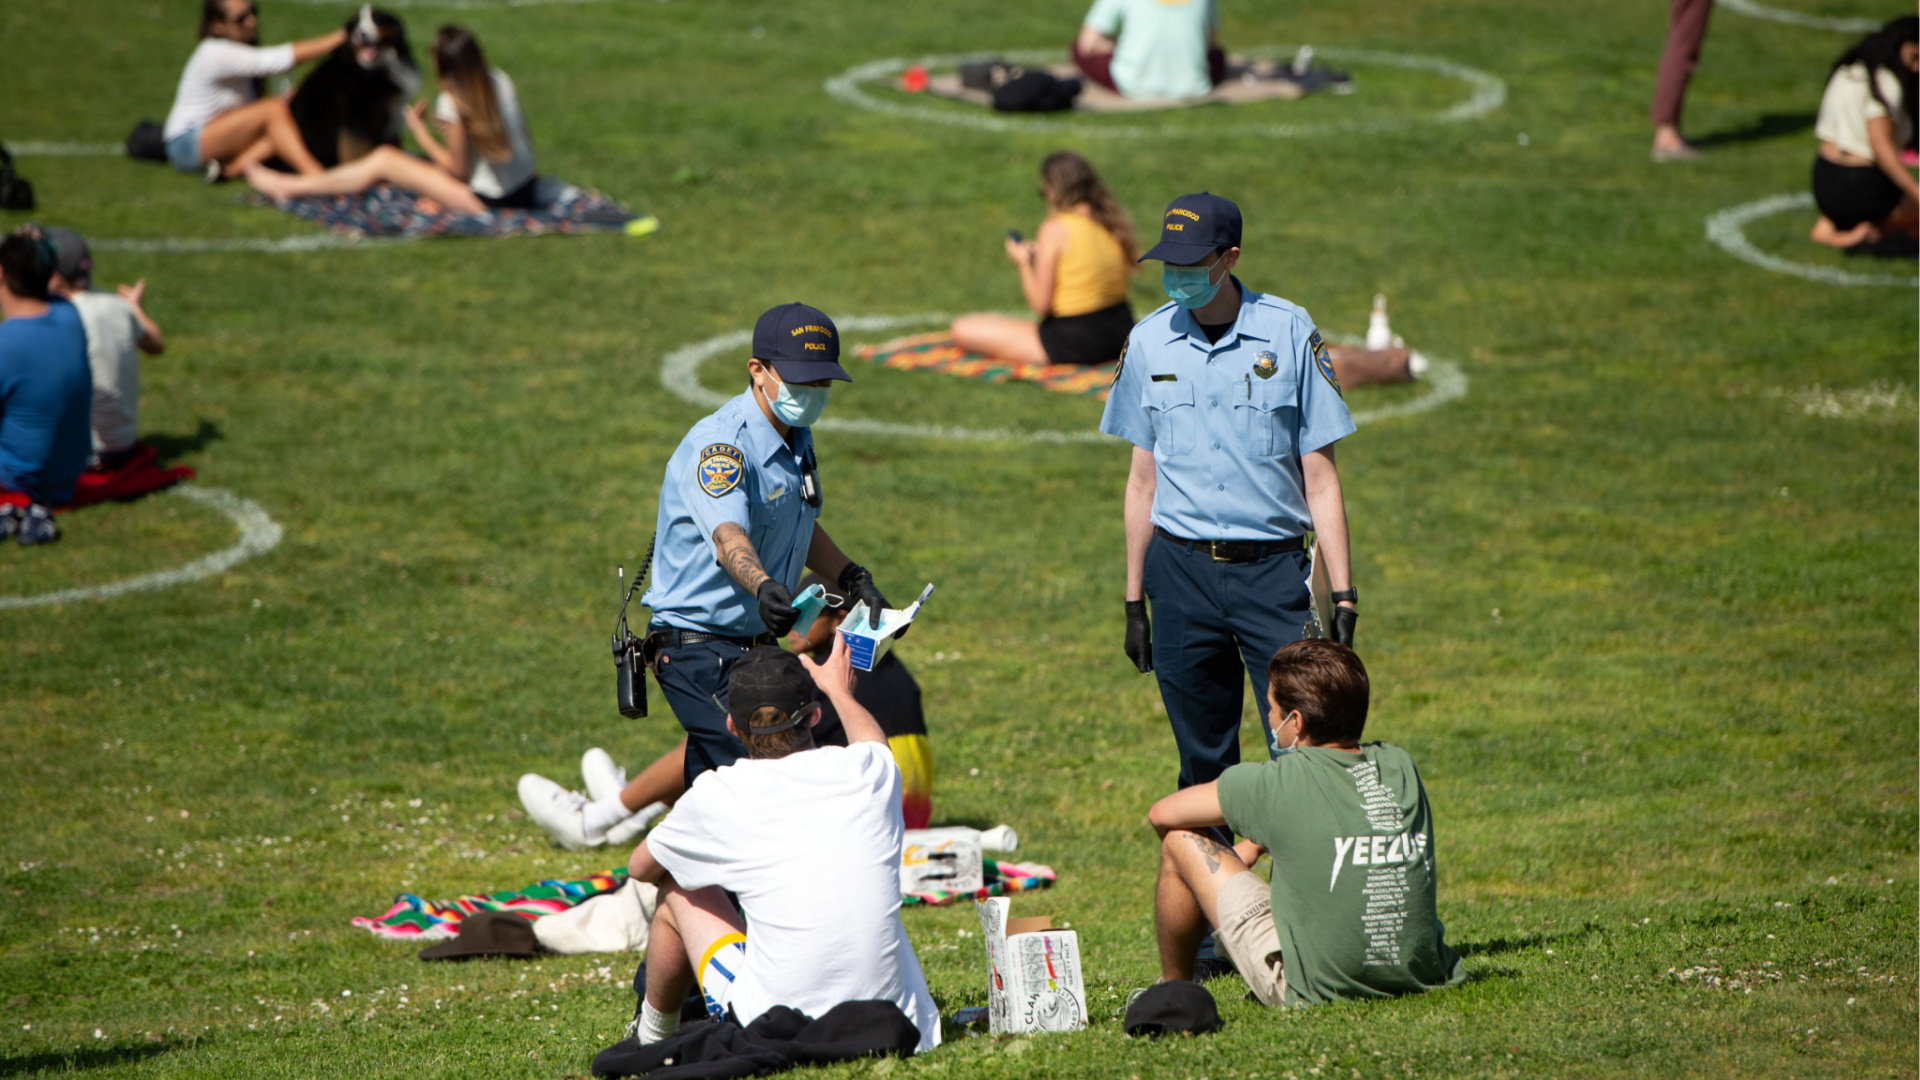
(1754, 10)
(1726, 230)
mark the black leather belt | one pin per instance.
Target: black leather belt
(672, 637)
(1234, 551)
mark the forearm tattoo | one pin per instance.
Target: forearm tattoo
(736, 556)
(1209, 849)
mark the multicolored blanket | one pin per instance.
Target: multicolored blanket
(937, 352)
(1002, 879)
(385, 210)
(413, 919)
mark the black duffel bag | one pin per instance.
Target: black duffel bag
(1035, 91)
(15, 192)
(148, 142)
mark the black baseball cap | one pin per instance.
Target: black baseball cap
(1193, 226)
(71, 259)
(769, 676)
(1172, 1006)
(800, 342)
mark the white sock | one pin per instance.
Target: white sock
(650, 812)
(598, 817)
(656, 1025)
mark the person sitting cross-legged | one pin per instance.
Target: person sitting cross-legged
(1350, 912)
(809, 840)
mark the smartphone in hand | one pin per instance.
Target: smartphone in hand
(1014, 235)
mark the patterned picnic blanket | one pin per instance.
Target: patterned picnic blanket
(1002, 879)
(385, 210)
(413, 919)
(937, 352)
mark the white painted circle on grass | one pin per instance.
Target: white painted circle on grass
(259, 534)
(1487, 93)
(66, 149)
(1726, 229)
(680, 375)
(1796, 18)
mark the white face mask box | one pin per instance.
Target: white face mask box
(941, 860)
(866, 644)
(1036, 984)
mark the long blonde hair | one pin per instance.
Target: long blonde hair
(456, 53)
(1071, 180)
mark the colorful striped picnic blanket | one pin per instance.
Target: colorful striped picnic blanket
(1002, 879)
(413, 919)
(937, 352)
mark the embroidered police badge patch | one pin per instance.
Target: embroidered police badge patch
(1121, 364)
(721, 467)
(1265, 365)
(1324, 361)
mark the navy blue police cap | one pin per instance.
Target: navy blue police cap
(800, 342)
(1193, 226)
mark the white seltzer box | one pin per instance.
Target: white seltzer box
(1035, 973)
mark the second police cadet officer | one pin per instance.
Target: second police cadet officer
(737, 527)
(1232, 406)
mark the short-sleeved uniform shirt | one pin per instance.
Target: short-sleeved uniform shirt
(46, 394)
(733, 466)
(1353, 873)
(1160, 49)
(1228, 421)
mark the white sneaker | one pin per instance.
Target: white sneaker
(556, 810)
(628, 831)
(1417, 365)
(604, 779)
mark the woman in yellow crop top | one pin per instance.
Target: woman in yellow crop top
(1074, 273)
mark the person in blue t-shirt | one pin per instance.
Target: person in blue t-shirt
(46, 391)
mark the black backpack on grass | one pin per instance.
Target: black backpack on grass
(147, 142)
(1035, 91)
(15, 192)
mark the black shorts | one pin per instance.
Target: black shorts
(520, 198)
(1093, 338)
(1851, 194)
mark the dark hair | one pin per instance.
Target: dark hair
(1328, 684)
(1881, 49)
(26, 265)
(1073, 181)
(211, 11)
(462, 66)
(780, 743)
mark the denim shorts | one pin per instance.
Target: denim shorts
(183, 150)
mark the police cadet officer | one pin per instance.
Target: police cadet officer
(738, 526)
(1232, 406)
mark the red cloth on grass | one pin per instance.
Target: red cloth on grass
(139, 474)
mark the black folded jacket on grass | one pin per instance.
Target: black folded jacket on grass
(779, 1040)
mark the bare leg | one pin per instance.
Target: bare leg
(1368, 367)
(1826, 232)
(259, 152)
(1002, 337)
(1904, 219)
(1192, 869)
(663, 781)
(387, 163)
(685, 926)
(233, 133)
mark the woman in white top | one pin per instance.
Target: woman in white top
(486, 161)
(1863, 189)
(219, 123)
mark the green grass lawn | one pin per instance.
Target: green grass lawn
(1642, 604)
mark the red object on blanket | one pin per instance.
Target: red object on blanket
(139, 474)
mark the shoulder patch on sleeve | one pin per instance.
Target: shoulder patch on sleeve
(1323, 360)
(1121, 364)
(721, 467)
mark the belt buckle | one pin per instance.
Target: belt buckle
(1213, 548)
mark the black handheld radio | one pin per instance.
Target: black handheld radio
(629, 653)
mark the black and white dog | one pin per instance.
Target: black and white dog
(354, 100)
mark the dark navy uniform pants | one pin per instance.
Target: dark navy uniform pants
(692, 676)
(1215, 625)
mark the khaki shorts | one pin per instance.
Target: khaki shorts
(1243, 923)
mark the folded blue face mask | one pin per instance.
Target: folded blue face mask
(1190, 286)
(799, 406)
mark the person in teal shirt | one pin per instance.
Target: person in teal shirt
(1155, 49)
(1351, 910)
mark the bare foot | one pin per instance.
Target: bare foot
(269, 182)
(1825, 232)
(427, 204)
(1670, 145)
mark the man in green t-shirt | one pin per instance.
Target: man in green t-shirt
(1351, 909)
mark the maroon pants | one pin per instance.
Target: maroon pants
(1686, 29)
(1100, 68)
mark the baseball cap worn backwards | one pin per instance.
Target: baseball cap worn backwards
(769, 676)
(70, 255)
(800, 342)
(1193, 226)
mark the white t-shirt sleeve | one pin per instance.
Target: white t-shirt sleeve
(691, 843)
(230, 59)
(1105, 16)
(444, 110)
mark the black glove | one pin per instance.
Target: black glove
(1139, 636)
(776, 607)
(1343, 620)
(856, 583)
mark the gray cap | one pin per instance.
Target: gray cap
(71, 259)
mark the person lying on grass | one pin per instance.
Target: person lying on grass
(220, 124)
(1863, 189)
(1350, 912)
(486, 162)
(808, 838)
(616, 810)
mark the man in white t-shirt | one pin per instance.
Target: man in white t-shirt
(809, 839)
(118, 331)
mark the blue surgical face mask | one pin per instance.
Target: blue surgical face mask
(799, 406)
(1191, 286)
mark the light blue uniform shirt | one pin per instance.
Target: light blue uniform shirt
(1161, 45)
(733, 466)
(1228, 422)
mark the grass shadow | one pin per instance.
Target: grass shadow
(81, 1058)
(173, 446)
(1499, 945)
(1770, 126)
